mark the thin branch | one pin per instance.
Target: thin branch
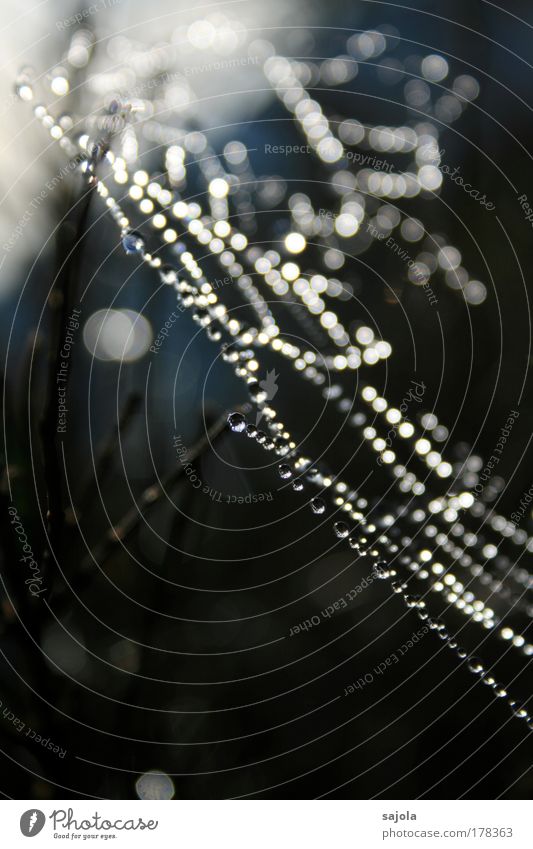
(69, 250)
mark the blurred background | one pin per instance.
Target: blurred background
(160, 664)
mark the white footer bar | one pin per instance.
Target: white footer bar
(258, 824)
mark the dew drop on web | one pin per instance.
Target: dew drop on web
(341, 529)
(132, 242)
(318, 505)
(237, 422)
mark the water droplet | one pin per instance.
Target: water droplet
(462, 653)
(398, 586)
(155, 785)
(282, 446)
(256, 392)
(353, 542)
(214, 334)
(412, 600)
(237, 422)
(312, 474)
(97, 152)
(59, 84)
(341, 529)
(318, 505)
(251, 431)
(261, 436)
(380, 570)
(132, 242)
(499, 691)
(298, 486)
(24, 91)
(202, 317)
(474, 665)
(285, 471)
(436, 625)
(230, 353)
(169, 275)
(178, 248)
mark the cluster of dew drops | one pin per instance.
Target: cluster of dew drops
(294, 469)
(380, 568)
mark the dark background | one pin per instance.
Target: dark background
(171, 652)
